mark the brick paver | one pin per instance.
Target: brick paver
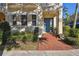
(52, 43)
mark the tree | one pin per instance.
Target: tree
(67, 16)
(76, 13)
(5, 27)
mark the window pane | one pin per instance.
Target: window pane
(24, 19)
(34, 20)
(14, 19)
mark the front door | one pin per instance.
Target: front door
(47, 24)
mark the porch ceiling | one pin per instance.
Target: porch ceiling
(13, 7)
(50, 14)
(29, 7)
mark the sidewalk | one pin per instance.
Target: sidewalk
(74, 52)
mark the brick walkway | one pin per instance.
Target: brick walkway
(52, 43)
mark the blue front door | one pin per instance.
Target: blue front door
(47, 24)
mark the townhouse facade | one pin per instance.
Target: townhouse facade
(27, 16)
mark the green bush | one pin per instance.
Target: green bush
(22, 33)
(24, 38)
(29, 36)
(77, 34)
(67, 30)
(16, 33)
(77, 41)
(19, 37)
(13, 37)
(0, 35)
(72, 37)
(74, 33)
(70, 40)
(35, 38)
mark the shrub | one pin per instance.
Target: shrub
(0, 34)
(35, 38)
(77, 34)
(29, 36)
(24, 39)
(22, 33)
(70, 40)
(77, 41)
(73, 37)
(23, 36)
(67, 30)
(74, 33)
(16, 33)
(35, 34)
(13, 37)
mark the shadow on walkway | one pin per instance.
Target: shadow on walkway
(1, 49)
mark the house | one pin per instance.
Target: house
(27, 16)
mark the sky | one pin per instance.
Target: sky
(71, 8)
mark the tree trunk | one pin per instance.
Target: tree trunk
(76, 13)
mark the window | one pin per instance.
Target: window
(24, 19)
(14, 19)
(2, 4)
(34, 20)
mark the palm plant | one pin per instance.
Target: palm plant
(67, 16)
(66, 22)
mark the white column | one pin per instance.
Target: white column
(6, 12)
(41, 23)
(54, 22)
(60, 23)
